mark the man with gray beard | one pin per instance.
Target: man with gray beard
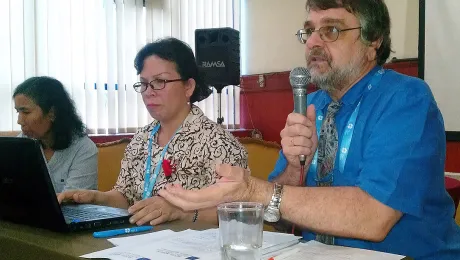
(374, 142)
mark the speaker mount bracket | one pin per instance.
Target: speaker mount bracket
(220, 118)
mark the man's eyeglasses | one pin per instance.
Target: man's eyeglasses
(326, 33)
(156, 84)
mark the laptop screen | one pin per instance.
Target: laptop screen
(26, 191)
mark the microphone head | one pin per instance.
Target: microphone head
(299, 77)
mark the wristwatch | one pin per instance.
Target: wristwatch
(272, 211)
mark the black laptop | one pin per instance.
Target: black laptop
(27, 195)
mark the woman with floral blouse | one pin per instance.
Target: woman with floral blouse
(180, 146)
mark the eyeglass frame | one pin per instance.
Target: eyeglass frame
(149, 84)
(303, 31)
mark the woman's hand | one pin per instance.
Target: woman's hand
(155, 210)
(78, 196)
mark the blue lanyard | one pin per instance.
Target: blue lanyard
(151, 180)
(347, 134)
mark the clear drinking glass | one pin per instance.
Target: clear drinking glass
(240, 230)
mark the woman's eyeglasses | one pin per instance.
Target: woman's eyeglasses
(156, 84)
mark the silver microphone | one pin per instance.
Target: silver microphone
(299, 78)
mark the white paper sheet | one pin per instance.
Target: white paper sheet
(182, 245)
(146, 238)
(314, 250)
(202, 244)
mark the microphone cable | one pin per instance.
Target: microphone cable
(301, 183)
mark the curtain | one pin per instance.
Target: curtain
(90, 45)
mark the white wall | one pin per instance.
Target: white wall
(441, 57)
(404, 27)
(268, 28)
(268, 41)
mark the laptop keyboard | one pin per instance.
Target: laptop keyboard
(77, 215)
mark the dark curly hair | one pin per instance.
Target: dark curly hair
(49, 93)
(373, 16)
(180, 53)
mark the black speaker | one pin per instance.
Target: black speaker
(217, 53)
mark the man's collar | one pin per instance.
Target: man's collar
(353, 94)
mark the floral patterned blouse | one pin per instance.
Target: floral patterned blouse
(195, 149)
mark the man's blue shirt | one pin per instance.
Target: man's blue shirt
(396, 155)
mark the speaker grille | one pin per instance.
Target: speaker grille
(218, 55)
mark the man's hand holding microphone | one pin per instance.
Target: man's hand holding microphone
(299, 138)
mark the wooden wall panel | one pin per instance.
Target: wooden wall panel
(100, 138)
(266, 102)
